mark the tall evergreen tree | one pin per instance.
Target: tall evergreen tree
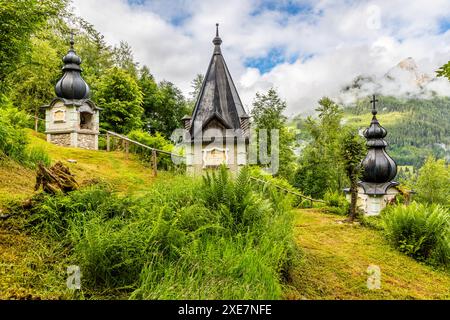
(267, 113)
(196, 85)
(319, 167)
(352, 150)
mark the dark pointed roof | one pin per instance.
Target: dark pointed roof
(378, 166)
(72, 86)
(218, 98)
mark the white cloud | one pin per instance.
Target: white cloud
(344, 39)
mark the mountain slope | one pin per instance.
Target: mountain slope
(416, 127)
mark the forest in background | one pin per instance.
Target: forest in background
(417, 128)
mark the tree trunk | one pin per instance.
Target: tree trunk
(354, 198)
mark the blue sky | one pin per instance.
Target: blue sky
(304, 48)
(268, 61)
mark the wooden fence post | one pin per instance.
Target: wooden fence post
(36, 122)
(108, 147)
(126, 148)
(154, 164)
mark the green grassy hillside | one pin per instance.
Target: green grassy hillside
(17, 182)
(336, 256)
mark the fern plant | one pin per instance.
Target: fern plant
(419, 230)
(239, 206)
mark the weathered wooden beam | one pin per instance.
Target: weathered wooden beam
(108, 147)
(154, 163)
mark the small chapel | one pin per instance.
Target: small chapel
(217, 132)
(377, 187)
(72, 119)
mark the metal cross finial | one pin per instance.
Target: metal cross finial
(217, 41)
(71, 39)
(374, 101)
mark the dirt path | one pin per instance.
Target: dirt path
(335, 258)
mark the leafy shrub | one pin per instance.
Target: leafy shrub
(252, 243)
(112, 253)
(156, 141)
(102, 142)
(336, 202)
(195, 217)
(275, 189)
(421, 231)
(433, 182)
(55, 215)
(14, 140)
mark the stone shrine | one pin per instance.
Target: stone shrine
(72, 119)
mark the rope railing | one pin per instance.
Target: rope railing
(288, 191)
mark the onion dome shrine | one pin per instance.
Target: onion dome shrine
(72, 119)
(376, 188)
(218, 130)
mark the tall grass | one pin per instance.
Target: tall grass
(419, 230)
(242, 255)
(35, 155)
(216, 238)
(14, 140)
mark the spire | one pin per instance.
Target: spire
(378, 165)
(217, 41)
(218, 98)
(71, 40)
(72, 86)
